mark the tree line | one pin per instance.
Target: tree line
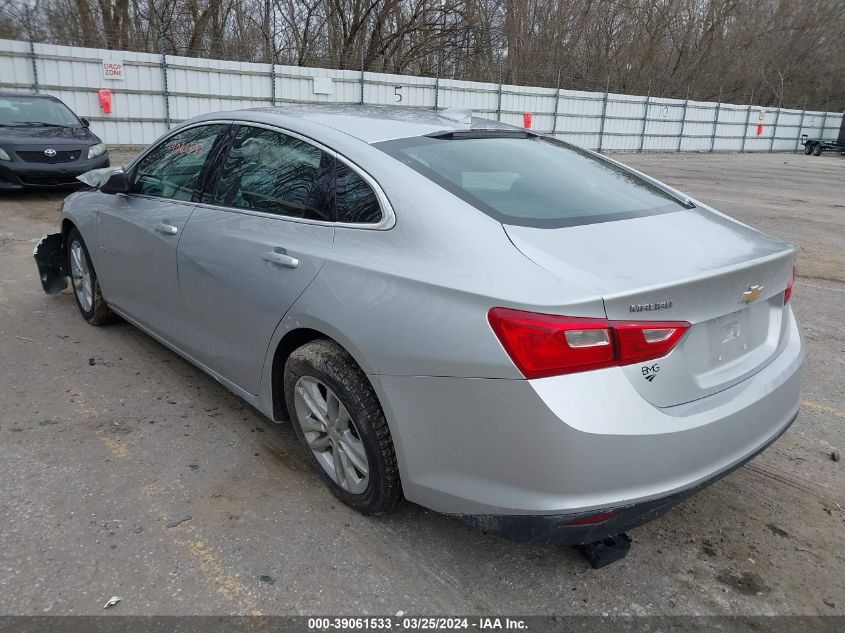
(785, 51)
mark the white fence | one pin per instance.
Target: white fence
(157, 92)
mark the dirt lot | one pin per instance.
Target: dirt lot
(109, 440)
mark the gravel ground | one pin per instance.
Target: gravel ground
(128, 472)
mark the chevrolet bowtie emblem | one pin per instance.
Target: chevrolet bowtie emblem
(752, 294)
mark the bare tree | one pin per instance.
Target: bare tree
(784, 49)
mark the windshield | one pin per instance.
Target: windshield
(531, 181)
(31, 111)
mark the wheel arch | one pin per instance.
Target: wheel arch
(66, 226)
(292, 340)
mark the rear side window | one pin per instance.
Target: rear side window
(530, 181)
(172, 169)
(271, 172)
(355, 200)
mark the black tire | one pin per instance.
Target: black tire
(808, 148)
(330, 364)
(99, 312)
(817, 149)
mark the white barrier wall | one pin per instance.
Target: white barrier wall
(143, 107)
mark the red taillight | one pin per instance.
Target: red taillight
(644, 340)
(787, 294)
(538, 345)
(549, 345)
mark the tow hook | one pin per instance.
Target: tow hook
(606, 551)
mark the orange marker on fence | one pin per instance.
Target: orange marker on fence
(105, 100)
(527, 120)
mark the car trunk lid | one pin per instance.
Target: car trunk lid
(724, 278)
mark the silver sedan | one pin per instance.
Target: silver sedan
(479, 319)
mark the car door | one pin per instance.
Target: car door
(138, 231)
(249, 252)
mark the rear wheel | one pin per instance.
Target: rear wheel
(336, 414)
(86, 286)
(817, 149)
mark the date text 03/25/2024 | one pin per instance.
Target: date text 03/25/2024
(411, 623)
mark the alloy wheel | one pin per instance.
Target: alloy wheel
(83, 285)
(331, 434)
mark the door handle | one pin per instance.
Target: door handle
(281, 259)
(167, 229)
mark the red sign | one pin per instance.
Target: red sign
(527, 120)
(105, 100)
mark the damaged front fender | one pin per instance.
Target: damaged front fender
(51, 261)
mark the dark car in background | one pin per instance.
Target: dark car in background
(43, 143)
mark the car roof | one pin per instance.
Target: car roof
(371, 123)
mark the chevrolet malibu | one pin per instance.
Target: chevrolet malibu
(482, 320)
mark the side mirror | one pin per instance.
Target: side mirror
(85, 122)
(116, 182)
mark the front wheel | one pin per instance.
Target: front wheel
(808, 148)
(336, 414)
(86, 286)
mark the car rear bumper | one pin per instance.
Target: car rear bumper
(577, 528)
(571, 445)
(17, 174)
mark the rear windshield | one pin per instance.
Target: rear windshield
(531, 181)
(35, 111)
